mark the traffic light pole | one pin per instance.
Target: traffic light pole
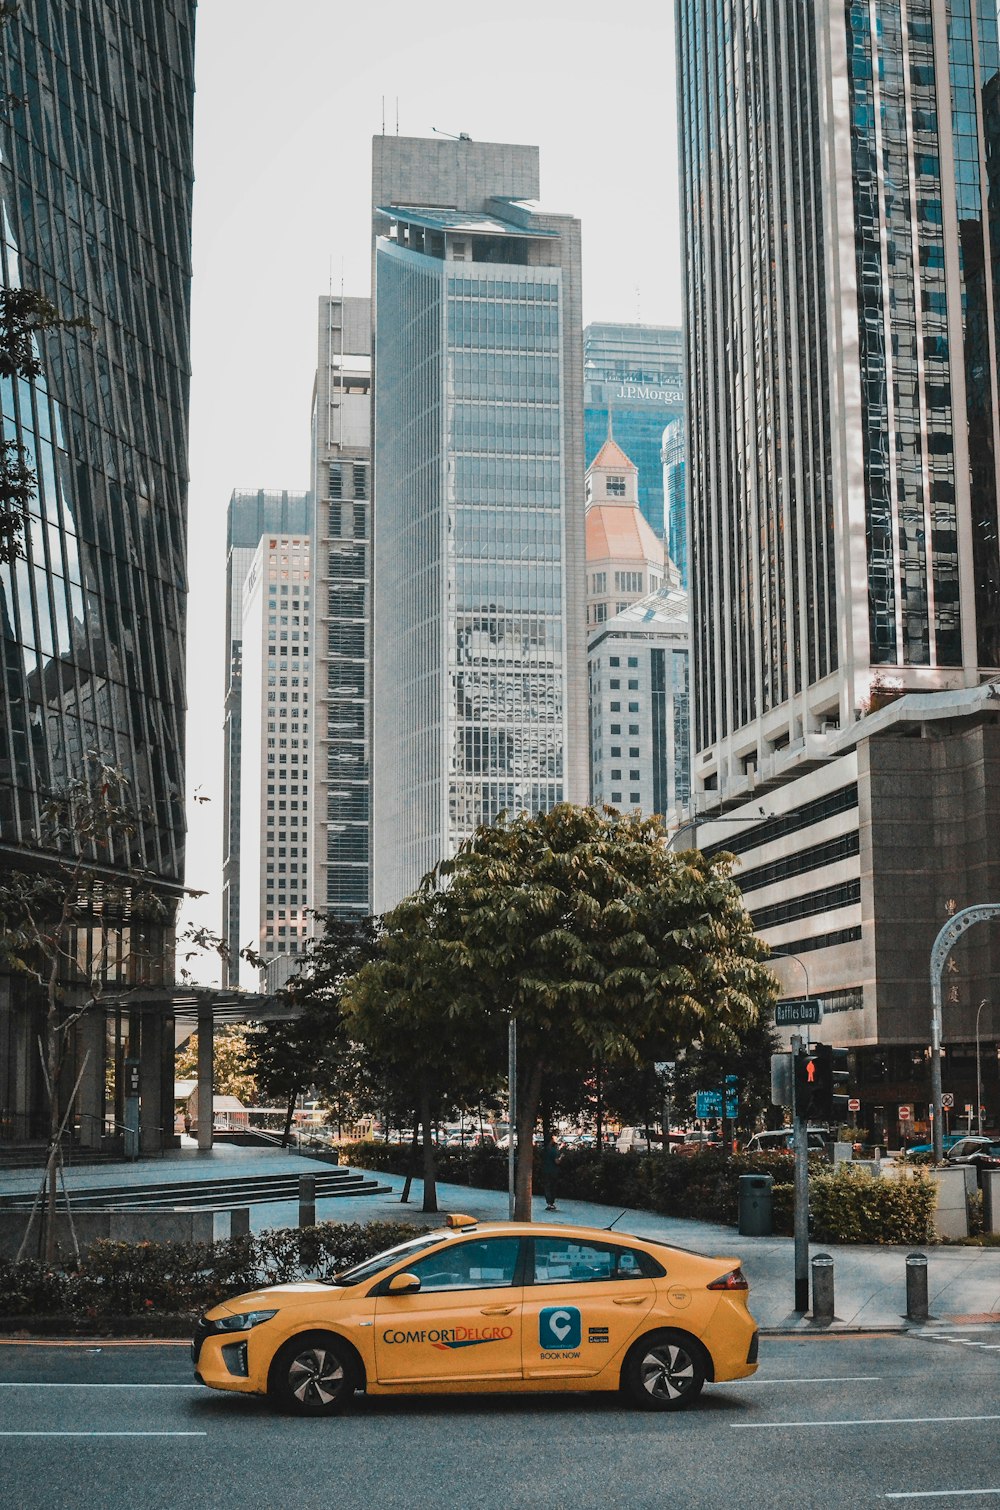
(801, 1150)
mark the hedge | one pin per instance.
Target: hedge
(847, 1205)
(137, 1279)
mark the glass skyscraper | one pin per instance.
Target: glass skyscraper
(95, 186)
(842, 336)
(673, 455)
(633, 385)
(480, 684)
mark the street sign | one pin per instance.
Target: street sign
(904, 1114)
(854, 1105)
(947, 1101)
(793, 1014)
(707, 1104)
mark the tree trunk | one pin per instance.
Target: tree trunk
(528, 1096)
(289, 1114)
(430, 1181)
(52, 1058)
(414, 1158)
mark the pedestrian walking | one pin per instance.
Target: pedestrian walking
(551, 1158)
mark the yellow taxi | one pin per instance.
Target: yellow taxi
(498, 1307)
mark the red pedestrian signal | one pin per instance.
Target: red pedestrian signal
(811, 1070)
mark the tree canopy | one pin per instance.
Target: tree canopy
(603, 945)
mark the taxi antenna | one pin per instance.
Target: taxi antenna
(615, 1222)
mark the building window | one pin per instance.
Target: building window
(616, 487)
(635, 797)
(616, 796)
(336, 481)
(628, 581)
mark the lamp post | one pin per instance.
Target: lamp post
(692, 825)
(947, 937)
(979, 1074)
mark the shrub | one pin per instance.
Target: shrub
(850, 1205)
(135, 1279)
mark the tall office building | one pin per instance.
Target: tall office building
(251, 515)
(633, 385)
(95, 182)
(842, 243)
(275, 806)
(674, 457)
(341, 608)
(640, 754)
(480, 691)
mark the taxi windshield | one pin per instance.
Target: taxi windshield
(372, 1266)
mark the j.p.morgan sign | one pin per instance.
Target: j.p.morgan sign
(632, 391)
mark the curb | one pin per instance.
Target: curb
(817, 1329)
(160, 1327)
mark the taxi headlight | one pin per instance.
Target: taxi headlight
(242, 1323)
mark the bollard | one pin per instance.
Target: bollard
(916, 1287)
(822, 1288)
(307, 1200)
(239, 1221)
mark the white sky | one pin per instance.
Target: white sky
(288, 100)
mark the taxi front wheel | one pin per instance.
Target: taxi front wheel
(313, 1375)
(664, 1371)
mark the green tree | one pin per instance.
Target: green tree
(426, 1051)
(599, 941)
(311, 1050)
(232, 1071)
(745, 1053)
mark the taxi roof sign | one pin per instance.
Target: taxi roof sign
(456, 1219)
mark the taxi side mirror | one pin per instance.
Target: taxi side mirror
(403, 1284)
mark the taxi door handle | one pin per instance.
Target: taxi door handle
(629, 1300)
(496, 1310)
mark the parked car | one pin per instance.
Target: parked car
(981, 1153)
(783, 1141)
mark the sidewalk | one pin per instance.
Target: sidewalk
(870, 1283)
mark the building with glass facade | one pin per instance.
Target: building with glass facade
(673, 455)
(841, 223)
(339, 871)
(250, 516)
(95, 185)
(480, 697)
(633, 385)
(640, 745)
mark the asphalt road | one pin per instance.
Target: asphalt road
(837, 1421)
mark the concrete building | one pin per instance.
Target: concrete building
(633, 385)
(251, 515)
(625, 559)
(95, 182)
(275, 838)
(339, 879)
(480, 693)
(640, 705)
(842, 478)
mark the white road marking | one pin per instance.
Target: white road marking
(103, 1433)
(833, 1379)
(937, 1494)
(874, 1421)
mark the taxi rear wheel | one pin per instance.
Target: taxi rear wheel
(314, 1375)
(664, 1371)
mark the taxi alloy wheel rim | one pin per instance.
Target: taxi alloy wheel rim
(316, 1375)
(667, 1372)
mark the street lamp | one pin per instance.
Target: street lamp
(692, 825)
(979, 1075)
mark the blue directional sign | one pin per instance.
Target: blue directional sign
(708, 1104)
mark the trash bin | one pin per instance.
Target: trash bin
(755, 1205)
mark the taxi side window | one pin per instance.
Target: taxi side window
(558, 1261)
(488, 1263)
